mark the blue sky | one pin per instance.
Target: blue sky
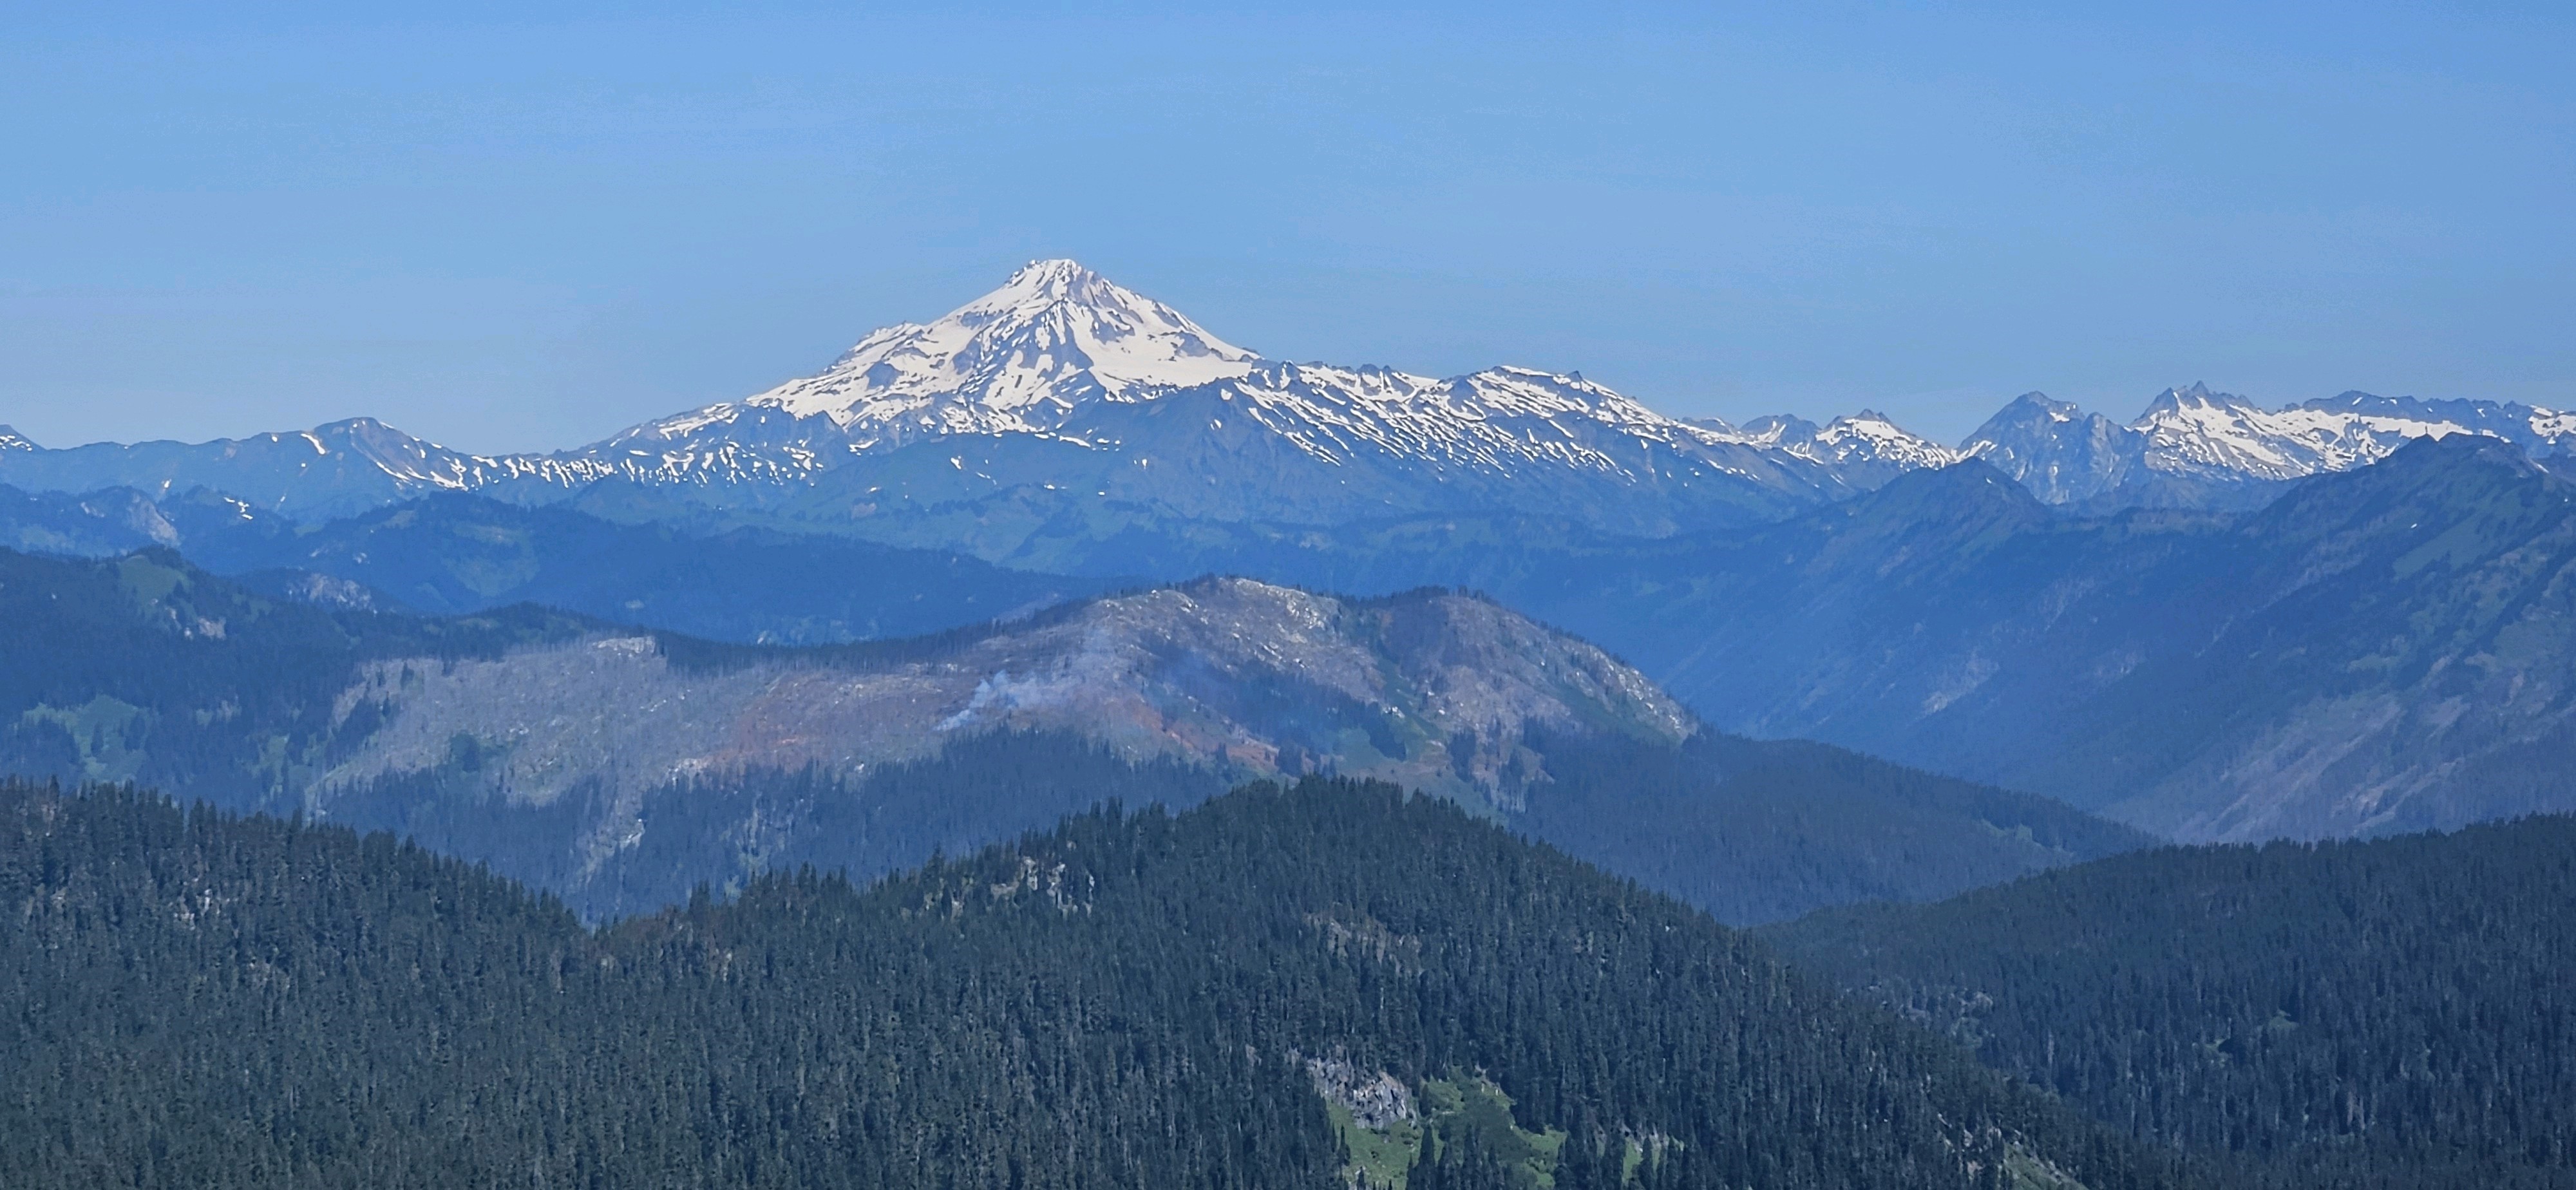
(513, 231)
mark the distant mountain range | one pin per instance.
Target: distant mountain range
(2378, 650)
(2203, 622)
(2196, 448)
(1063, 407)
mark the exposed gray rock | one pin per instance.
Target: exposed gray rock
(1376, 1100)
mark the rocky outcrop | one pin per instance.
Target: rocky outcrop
(1376, 1100)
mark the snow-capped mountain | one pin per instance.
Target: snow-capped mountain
(1865, 448)
(1064, 404)
(2061, 453)
(1062, 394)
(1021, 358)
(2195, 447)
(1055, 338)
(1062, 381)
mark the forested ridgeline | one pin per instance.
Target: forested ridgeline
(1750, 831)
(1757, 831)
(1275, 989)
(144, 669)
(2398, 1013)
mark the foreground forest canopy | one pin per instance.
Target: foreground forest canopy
(1286, 987)
(2390, 1013)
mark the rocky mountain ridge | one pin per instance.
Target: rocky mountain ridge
(2194, 448)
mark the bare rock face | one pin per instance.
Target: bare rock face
(1434, 690)
(1376, 1100)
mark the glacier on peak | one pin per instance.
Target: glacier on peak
(1021, 357)
(1061, 359)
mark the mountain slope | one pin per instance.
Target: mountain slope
(453, 554)
(2383, 649)
(458, 554)
(143, 668)
(99, 524)
(1435, 689)
(1126, 1001)
(1757, 831)
(2309, 669)
(2391, 1013)
(620, 769)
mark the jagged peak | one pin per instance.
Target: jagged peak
(11, 439)
(2039, 402)
(2198, 396)
(1566, 385)
(2021, 417)
(1569, 379)
(1047, 282)
(1770, 427)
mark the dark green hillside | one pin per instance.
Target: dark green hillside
(143, 668)
(2396, 1013)
(1228, 998)
(458, 554)
(1758, 831)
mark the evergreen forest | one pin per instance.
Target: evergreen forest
(2392, 1013)
(1130, 999)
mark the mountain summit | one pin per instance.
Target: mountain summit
(1064, 399)
(1021, 358)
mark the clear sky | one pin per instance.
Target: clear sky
(506, 231)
